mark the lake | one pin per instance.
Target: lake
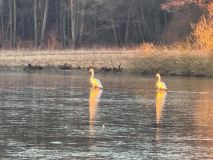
(57, 116)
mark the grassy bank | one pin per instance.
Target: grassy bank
(82, 58)
(167, 62)
(179, 59)
(181, 65)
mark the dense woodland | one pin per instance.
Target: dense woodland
(85, 23)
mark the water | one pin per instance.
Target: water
(57, 116)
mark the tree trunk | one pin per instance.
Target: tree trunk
(35, 23)
(140, 24)
(44, 20)
(113, 27)
(95, 26)
(14, 23)
(165, 21)
(134, 27)
(73, 23)
(57, 27)
(64, 26)
(127, 27)
(2, 22)
(82, 21)
(77, 22)
(10, 21)
(61, 23)
(144, 21)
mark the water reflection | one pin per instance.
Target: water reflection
(94, 98)
(204, 120)
(47, 117)
(160, 101)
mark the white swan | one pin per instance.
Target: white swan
(94, 82)
(160, 85)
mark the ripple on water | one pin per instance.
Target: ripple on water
(58, 117)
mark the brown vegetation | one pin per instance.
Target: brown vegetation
(203, 30)
(103, 59)
(175, 61)
(203, 33)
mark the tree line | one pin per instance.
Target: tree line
(77, 23)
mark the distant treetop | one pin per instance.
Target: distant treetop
(171, 5)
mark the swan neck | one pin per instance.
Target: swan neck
(92, 75)
(159, 79)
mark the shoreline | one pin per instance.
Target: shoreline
(108, 61)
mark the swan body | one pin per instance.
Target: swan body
(95, 82)
(160, 85)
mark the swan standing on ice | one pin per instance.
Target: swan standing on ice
(161, 86)
(96, 84)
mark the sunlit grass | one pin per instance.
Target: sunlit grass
(82, 57)
(170, 60)
(175, 60)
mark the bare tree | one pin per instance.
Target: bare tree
(73, 22)
(2, 22)
(35, 23)
(44, 20)
(82, 20)
(114, 27)
(11, 21)
(127, 27)
(14, 23)
(77, 14)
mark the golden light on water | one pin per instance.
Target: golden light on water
(94, 98)
(204, 120)
(160, 101)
